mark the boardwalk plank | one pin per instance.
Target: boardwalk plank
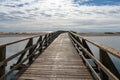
(59, 61)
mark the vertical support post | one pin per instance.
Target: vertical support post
(86, 46)
(30, 51)
(102, 60)
(50, 38)
(44, 42)
(2, 58)
(107, 62)
(46, 36)
(40, 45)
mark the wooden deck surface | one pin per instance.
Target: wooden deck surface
(59, 61)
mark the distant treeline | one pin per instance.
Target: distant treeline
(111, 32)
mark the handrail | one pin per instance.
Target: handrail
(102, 46)
(99, 64)
(84, 59)
(41, 44)
(12, 42)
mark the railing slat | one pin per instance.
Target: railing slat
(86, 62)
(13, 42)
(102, 46)
(22, 55)
(100, 65)
(32, 48)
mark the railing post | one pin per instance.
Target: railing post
(30, 51)
(45, 43)
(48, 36)
(40, 45)
(102, 60)
(107, 62)
(85, 45)
(2, 58)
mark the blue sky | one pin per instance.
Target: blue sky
(79, 15)
(98, 2)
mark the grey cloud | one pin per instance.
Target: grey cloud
(29, 10)
(8, 18)
(85, 22)
(16, 5)
(3, 17)
(45, 14)
(59, 14)
(17, 12)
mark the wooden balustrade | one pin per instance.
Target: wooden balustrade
(31, 50)
(105, 66)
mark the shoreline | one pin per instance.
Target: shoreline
(99, 34)
(33, 34)
(19, 34)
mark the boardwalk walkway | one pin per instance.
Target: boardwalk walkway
(59, 61)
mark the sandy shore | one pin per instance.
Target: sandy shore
(33, 34)
(19, 34)
(99, 34)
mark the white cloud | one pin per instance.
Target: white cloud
(57, 14)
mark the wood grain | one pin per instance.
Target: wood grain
(59, 61)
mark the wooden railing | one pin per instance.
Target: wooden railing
(104, 69)
(31, 50)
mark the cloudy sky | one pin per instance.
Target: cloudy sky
(78, 15)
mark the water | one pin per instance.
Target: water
(112, 41)
(13, 49)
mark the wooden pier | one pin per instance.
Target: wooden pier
(60, 56)
(60, 61)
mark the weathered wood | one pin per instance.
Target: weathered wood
(86, 61)
(107, 62)
(59, 61)
(22, 55)
(85, 45)
(40, 44)
(13, 42)
(2, 58)
(33, 50)
(101, 66)
(30, 51)
(102, 46)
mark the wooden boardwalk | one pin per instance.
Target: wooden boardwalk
(60, 61)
